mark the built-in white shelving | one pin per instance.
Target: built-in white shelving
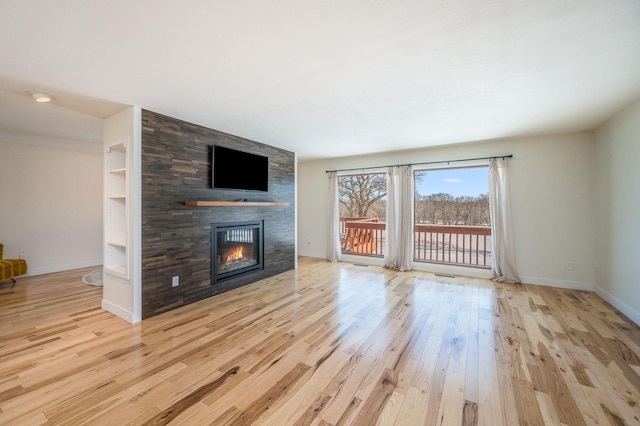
(122, 284)
(116, 211)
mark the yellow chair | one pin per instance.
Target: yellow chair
(11, 268)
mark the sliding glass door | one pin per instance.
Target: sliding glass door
(452, 223)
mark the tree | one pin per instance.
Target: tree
(482, 216)
(359, 193)
(466, 208)
(443, 208)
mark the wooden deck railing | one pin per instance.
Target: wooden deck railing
(461, 245)
(451, 244)
(362, 235)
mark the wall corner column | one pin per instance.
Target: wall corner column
(122, 288)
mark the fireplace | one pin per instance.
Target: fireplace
(236, 249)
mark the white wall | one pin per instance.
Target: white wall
(551, 185)
(51, 208)
(617, 211)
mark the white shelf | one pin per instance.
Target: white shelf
(116, 257)
(118, 146)
(117, 243)
(118, 271)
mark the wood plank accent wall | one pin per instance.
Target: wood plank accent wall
(176, 239)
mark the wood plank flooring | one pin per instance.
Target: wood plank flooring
(327, 344)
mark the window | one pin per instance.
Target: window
(452, 216)
(363, 207)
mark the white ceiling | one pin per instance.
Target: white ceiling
(322, 78)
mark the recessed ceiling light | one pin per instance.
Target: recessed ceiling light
(41, 97)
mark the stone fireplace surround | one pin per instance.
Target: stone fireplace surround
(176, 238)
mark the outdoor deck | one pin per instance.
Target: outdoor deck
(451, 244)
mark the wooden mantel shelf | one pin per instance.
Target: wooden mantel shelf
(233, 203)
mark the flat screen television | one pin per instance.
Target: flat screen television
(233, 169)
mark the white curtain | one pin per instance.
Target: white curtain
(334, 252)
(503, 262)
(399, 238)
(391, 239)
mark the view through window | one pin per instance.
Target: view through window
(452, 216)
(363, 207)
(452, 223)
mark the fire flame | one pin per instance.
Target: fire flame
(233, 255)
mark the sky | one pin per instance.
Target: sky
(471, 181)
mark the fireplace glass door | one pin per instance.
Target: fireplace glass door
(236, 249)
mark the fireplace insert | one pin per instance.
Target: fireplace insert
(236, 249)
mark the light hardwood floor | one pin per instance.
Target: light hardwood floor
(328, 344)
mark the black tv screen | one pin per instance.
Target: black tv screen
(233, 169)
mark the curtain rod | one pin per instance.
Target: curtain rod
(421, 164)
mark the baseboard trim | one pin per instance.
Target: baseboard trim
(550, 282)
(311, 253)
(628, 311)
(60, 268)
(117, 311)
